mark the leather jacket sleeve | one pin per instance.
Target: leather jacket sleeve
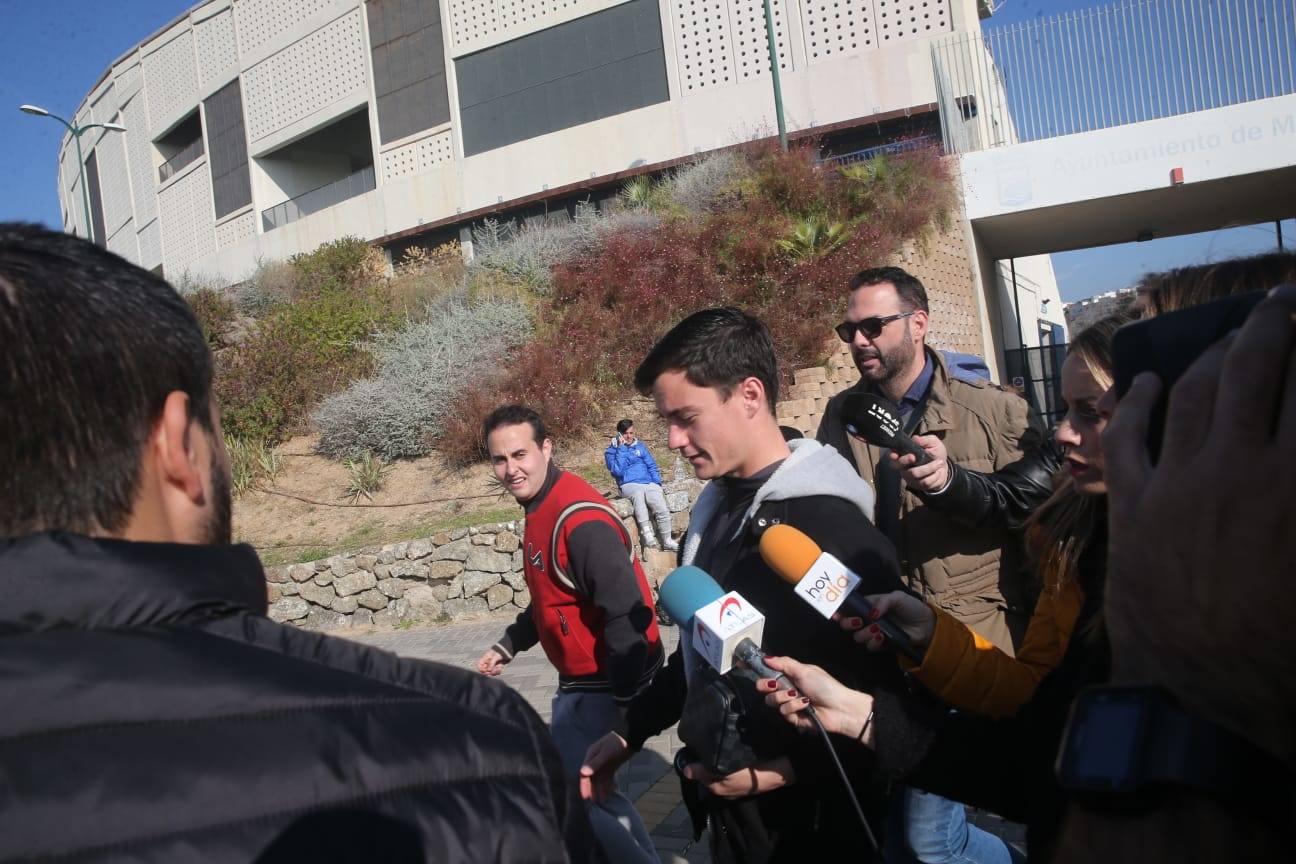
(1005, 498)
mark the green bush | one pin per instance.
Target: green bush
(342, 264)
(299, 353)
(215, 313)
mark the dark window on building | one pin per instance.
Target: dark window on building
(96, 200)
(409, 66)
(594, 67)
(228, 157)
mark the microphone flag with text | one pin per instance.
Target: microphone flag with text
(877, 420)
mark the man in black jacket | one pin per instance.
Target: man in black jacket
(152, 711)
(714, 378)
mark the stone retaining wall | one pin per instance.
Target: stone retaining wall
(450, 575)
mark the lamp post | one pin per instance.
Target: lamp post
(774, 74)
(76, 131)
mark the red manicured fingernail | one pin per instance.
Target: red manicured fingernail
(873, 615)
(792, 693)
(875, 630)
(771, 685)
(805, 700)
(855, 622)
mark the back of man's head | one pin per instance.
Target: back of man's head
(90, 348)
(913, 295)
(717, 348)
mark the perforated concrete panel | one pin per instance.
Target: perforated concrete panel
(215, 44)
(150, 245)
(833, 28)
(114, 185)
(189, 227)
(261, 22)
(902, 20)
(751, 41)
(125, 243)
(139, 153)
(472, 22)
(704, 43)
(104, 107)
(171, 80)
(236, 229)
(312, 74)
(129, 78)
(417, 157)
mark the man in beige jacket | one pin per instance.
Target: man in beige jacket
(974, 573)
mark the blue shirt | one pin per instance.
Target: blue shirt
(909, 401)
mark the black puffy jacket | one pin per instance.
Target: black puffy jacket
(153, 713)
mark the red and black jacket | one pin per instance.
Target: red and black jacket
(591, 608)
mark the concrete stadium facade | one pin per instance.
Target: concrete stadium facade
(257, 129)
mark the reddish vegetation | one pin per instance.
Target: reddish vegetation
(609, 307)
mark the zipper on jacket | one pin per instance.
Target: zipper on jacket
(562, 622)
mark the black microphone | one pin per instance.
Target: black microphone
(877, 421)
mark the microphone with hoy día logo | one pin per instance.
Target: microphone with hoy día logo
(725, 627)
(824, 581)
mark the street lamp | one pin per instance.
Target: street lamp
(37, 111)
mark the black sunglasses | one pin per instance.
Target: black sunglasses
(870, 327)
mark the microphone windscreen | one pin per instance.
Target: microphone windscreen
(876, 419)
(686, 590)
(788, 552)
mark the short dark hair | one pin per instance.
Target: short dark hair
(714, 348)
(514, 415)
(623, 425)
(90, 348)
(912, 293)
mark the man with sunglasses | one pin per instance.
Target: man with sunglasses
(973, 572)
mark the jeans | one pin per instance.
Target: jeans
(580, 719)
(935, 830)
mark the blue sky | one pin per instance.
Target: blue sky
(52, 51)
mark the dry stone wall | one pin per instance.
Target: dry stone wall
(448, 576)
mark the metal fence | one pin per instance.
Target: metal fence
(1037, 373)
(1111, 65)
(180, 161)
(362, 181)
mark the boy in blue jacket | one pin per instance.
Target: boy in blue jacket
(635, 472)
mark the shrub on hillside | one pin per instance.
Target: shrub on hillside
(346, 263)
(297, 354)
(528, 253)
(608, 306)
(419, 372)
(215, 313)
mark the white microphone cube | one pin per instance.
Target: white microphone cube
(827, 584)
(720, 625)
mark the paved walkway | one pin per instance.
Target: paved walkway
(649, 781)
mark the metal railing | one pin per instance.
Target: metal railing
(1111, 65)
(916, 143)
(362, 181)
(181, 160)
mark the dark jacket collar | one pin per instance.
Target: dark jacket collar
(551, 477)
(58, 579)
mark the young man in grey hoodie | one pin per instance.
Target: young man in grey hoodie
(715, 382)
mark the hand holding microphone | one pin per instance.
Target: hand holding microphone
(840, 709)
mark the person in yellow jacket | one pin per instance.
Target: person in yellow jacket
(1066, 544)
